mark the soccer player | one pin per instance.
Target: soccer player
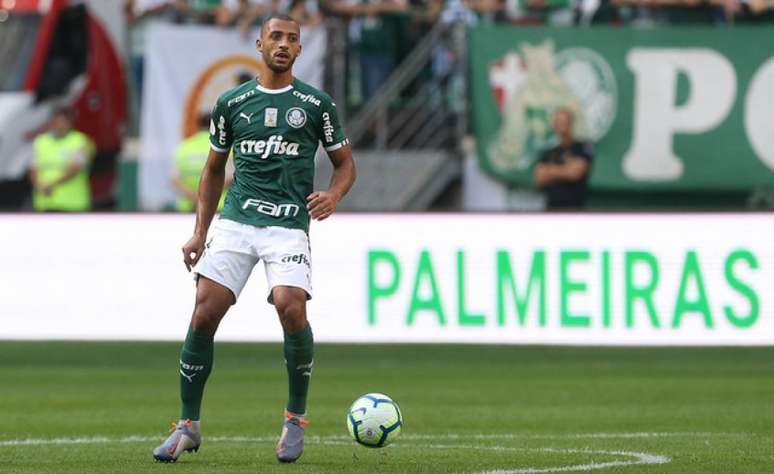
(273, 124)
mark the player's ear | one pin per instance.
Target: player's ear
(299, 50)
(258, 45)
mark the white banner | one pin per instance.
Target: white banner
(186, 69)
(586, 279)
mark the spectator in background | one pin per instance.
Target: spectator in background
(140, 15)
(60, 167)
(376, 27)
(198, 11)
(749, 11)
(563, 170)
(190, 158)
(239, 12)
(249, 13)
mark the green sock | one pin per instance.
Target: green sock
(195, 367)
(299, 353)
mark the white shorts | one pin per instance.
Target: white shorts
(234, 248)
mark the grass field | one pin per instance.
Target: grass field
(102, 407)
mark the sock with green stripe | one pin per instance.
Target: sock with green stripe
(195, 366)
(299, 353)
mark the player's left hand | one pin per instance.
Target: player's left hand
(321, 204)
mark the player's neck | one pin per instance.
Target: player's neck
(269, 79)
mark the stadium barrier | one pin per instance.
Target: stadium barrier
(593, 279)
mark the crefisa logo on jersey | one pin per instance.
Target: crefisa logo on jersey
(222, 130)
(295, 117)
(530, 83)
(275, 145)
(327, 127)
(307, 98)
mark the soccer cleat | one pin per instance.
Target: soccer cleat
(291, 442)
(182, 439)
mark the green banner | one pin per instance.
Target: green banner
(684, 109)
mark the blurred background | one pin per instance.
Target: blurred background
(451, 105)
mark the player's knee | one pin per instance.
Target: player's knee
(292, 314)
(207, 315)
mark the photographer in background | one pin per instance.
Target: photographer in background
(563, 170)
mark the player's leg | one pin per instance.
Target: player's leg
(288, 270)
(290, 303)
(212, 302)
(196, 358)
(221, 274)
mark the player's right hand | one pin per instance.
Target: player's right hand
(192, 251)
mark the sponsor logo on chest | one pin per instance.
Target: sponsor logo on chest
(270, 208)
(274, 145)
(240, 98)
(307, 98)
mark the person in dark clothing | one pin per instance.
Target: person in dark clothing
(563, 170)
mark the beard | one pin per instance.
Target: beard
(277, 67)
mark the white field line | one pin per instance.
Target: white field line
(634, 458)
(324, 439)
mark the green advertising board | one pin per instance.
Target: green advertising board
(686, 109)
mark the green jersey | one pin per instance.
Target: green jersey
(274, 134)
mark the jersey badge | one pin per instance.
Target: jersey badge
(295, 117)
(270, 117)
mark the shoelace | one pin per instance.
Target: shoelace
(301, 420)
(173, 428)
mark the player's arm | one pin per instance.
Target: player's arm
(210, 189)
(321, 204)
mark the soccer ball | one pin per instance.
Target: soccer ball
(374, 420)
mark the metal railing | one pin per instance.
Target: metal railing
(433, 116)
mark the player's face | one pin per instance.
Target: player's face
(279, 44)
(61, 124)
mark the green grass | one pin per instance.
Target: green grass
(466, 408)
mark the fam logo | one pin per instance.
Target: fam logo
(295, 117)
(531, 83)
(213, 80)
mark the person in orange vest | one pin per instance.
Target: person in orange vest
(60, 167)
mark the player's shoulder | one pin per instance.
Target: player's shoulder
(237, 94)
(308, 93)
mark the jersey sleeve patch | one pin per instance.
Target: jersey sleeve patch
(337, 145)
(220, 128)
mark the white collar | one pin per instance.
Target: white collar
(272, 91)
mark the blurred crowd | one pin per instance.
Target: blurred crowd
(382, 31)
(246, 13)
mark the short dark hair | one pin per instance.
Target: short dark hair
(279, 16)
(64, 111)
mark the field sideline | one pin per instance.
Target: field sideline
(101, 407)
